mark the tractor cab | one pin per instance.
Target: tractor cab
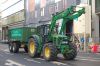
(44, 30)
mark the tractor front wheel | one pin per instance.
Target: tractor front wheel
(49, 52)
(72, 53)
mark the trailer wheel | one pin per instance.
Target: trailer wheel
(26, 49)
(15, 47)
(10, 47)
(33, 48)
(71, 55)
(49, 52)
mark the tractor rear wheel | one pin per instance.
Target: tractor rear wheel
(33, 48)
(49, 52)
(73, 52)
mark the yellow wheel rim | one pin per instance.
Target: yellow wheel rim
(47, 52)
(32, 47)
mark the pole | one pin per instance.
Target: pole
(85, 33)
(85, 41)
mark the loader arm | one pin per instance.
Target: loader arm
(68, 14)
(71, 17)
(60, 16)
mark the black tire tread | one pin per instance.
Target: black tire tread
(72, 55)
(10, 45)
(53, 53)
(16, 45)
(36, 47)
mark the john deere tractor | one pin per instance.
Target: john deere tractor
(48, 40)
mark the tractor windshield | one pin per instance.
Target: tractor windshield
(56, 29)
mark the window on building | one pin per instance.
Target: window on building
(42, 11)
(35, 13)
(97, 5)
(78, 2)
(57, 1)
(90, 2)
(56, 7)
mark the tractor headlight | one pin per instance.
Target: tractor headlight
(64, 42)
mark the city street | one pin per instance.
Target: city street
(22, 59)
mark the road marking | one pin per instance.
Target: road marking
(32, 60)
(59, 63)
(88, 57)
(6, 50)
(40, 58)
(8, 53)
(11, 63)
(54, 62)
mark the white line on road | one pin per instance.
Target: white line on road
(6, 50)
(54, 62)
(88, 57)
(40, 58)
(59, 63)
(11, 63)
(32, 60)
(8, 53)
(84, 59)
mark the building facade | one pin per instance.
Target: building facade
(12, 15)
(95, 15)
(42, 10)
(96, 20)
(18, 13)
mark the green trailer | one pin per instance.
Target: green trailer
(18, 38)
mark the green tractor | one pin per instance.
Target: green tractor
(50, 41)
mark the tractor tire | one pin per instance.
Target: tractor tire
(49, 52)
(15, 47)
(26, 49)
(10, 47)
(33, 48)
(71, 55)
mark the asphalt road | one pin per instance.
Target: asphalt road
(22, 59)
